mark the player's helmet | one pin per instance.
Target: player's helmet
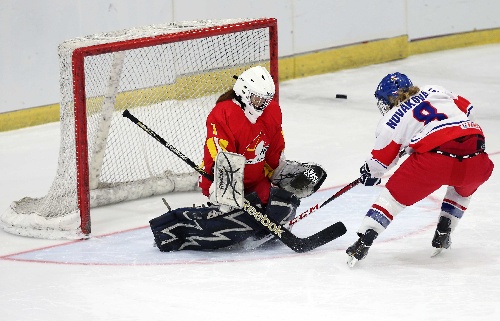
(255, 88)
(388, 87)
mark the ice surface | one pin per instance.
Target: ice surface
(119, 275)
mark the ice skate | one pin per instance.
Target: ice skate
(442, 238)
(359, 249)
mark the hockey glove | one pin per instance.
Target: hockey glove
(301, 179)
(366, 177)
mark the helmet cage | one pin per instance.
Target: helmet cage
(383, 107)
(259, 102)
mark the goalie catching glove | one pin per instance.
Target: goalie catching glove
(301, 179)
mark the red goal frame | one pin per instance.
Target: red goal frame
(78, 64)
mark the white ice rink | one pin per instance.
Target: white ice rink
(119, 275)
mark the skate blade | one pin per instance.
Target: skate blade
(436, 252)
(351, 261)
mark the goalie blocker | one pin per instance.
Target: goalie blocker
(227, 187)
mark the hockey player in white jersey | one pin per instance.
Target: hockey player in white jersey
(436, 128)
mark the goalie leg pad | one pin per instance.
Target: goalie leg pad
(301, 179)
(203, 228)
(281, 208)
(282, 205)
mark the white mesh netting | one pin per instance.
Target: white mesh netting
(170, 87)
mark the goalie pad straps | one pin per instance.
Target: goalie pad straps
(301, 179)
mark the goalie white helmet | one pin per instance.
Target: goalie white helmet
(255, 88)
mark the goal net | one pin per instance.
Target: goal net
(169, 76)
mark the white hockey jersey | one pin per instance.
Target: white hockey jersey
(428, 119)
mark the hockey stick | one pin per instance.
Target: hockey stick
(297, 244)
(257, 243)
(318, 206)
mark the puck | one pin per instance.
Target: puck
(341, 96)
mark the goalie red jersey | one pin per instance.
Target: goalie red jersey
(262, 143)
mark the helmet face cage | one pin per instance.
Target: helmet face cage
(259, 102)
(388, 87)
(383, 107)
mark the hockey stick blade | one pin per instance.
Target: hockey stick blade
(324, 236)
(297, 244)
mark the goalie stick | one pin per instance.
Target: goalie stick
(301, 216)
(297, 244)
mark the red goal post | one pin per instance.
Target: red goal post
(169, 75)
